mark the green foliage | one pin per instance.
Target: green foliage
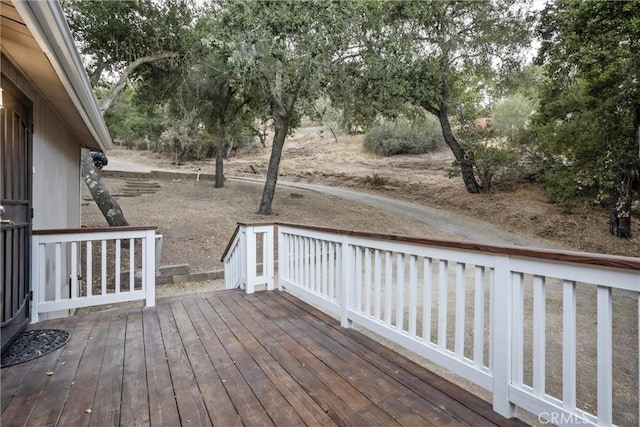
(563, 185)
(589, 113)
(112, 34)
(511, 115)
(493, 165)
(129, 121)
(403, 137)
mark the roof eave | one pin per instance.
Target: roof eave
(46, 21)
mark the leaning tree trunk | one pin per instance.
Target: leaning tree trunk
(442, 113)
(107, 204)
(219, 158)
(183, 154)
(281, 130)
(466, 164)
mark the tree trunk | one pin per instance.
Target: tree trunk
(442, 113)
(281, 130)
(466, 164)
(183, 154)
(219, 158)
(108, 206)
(620, 216)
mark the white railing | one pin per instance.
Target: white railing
(248, 259)
(73, 268)
(541, 330)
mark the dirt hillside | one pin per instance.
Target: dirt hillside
(312, 155)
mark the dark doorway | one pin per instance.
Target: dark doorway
(15, 240)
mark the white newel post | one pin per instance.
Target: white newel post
(501, 294)
(268, 257)
(283, 258)
(250, 257)
(149, 271)
(35, 278)
(249, 245)
(346, 278)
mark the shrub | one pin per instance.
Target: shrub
(564, 184)
(376, 180)
(403, 137)
(494, 165)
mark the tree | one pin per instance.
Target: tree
(290, 46)
(511, 114)
(425, 53)
(121, 38)
(131, 119)
(589, 112)
(221, 88)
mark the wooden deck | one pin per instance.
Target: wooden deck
(227, 358)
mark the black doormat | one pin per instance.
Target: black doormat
(32, 344)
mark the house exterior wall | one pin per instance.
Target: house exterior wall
(56, 174)
(56, 160)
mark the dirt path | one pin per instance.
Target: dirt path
(463, 227)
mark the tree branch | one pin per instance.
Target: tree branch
(106, 103)
(430, 108)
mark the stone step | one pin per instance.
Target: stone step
(143, 184)
(174, 270)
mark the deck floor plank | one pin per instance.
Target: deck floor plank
(230, 366)
(399, 402)
(82, 393)
(411, 374)
(163, 409)
(220, 407)
(106, 405)
(358, 404)
(306, 410)
(335, 408)
(227, 358)
(388, 369)
(135, 397)
(28, 393)
(12, 379)
(191, 406)
(253, 340)
(54, 395)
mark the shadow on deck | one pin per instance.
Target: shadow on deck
(228, 358)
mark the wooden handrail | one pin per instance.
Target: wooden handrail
(90, 230)
(615, 261)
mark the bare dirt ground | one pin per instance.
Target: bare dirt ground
(198, 219)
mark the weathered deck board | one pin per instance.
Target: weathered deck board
(228, 358)
(134, 385)
(55, 392)
(163, 409)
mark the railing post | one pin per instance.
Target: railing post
(35, 279)
(346, 277)
(149, 282)
(283, 257)
(249, 266)
(501, 338)
(268, 267)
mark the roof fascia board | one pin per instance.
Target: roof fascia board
(49, 28)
